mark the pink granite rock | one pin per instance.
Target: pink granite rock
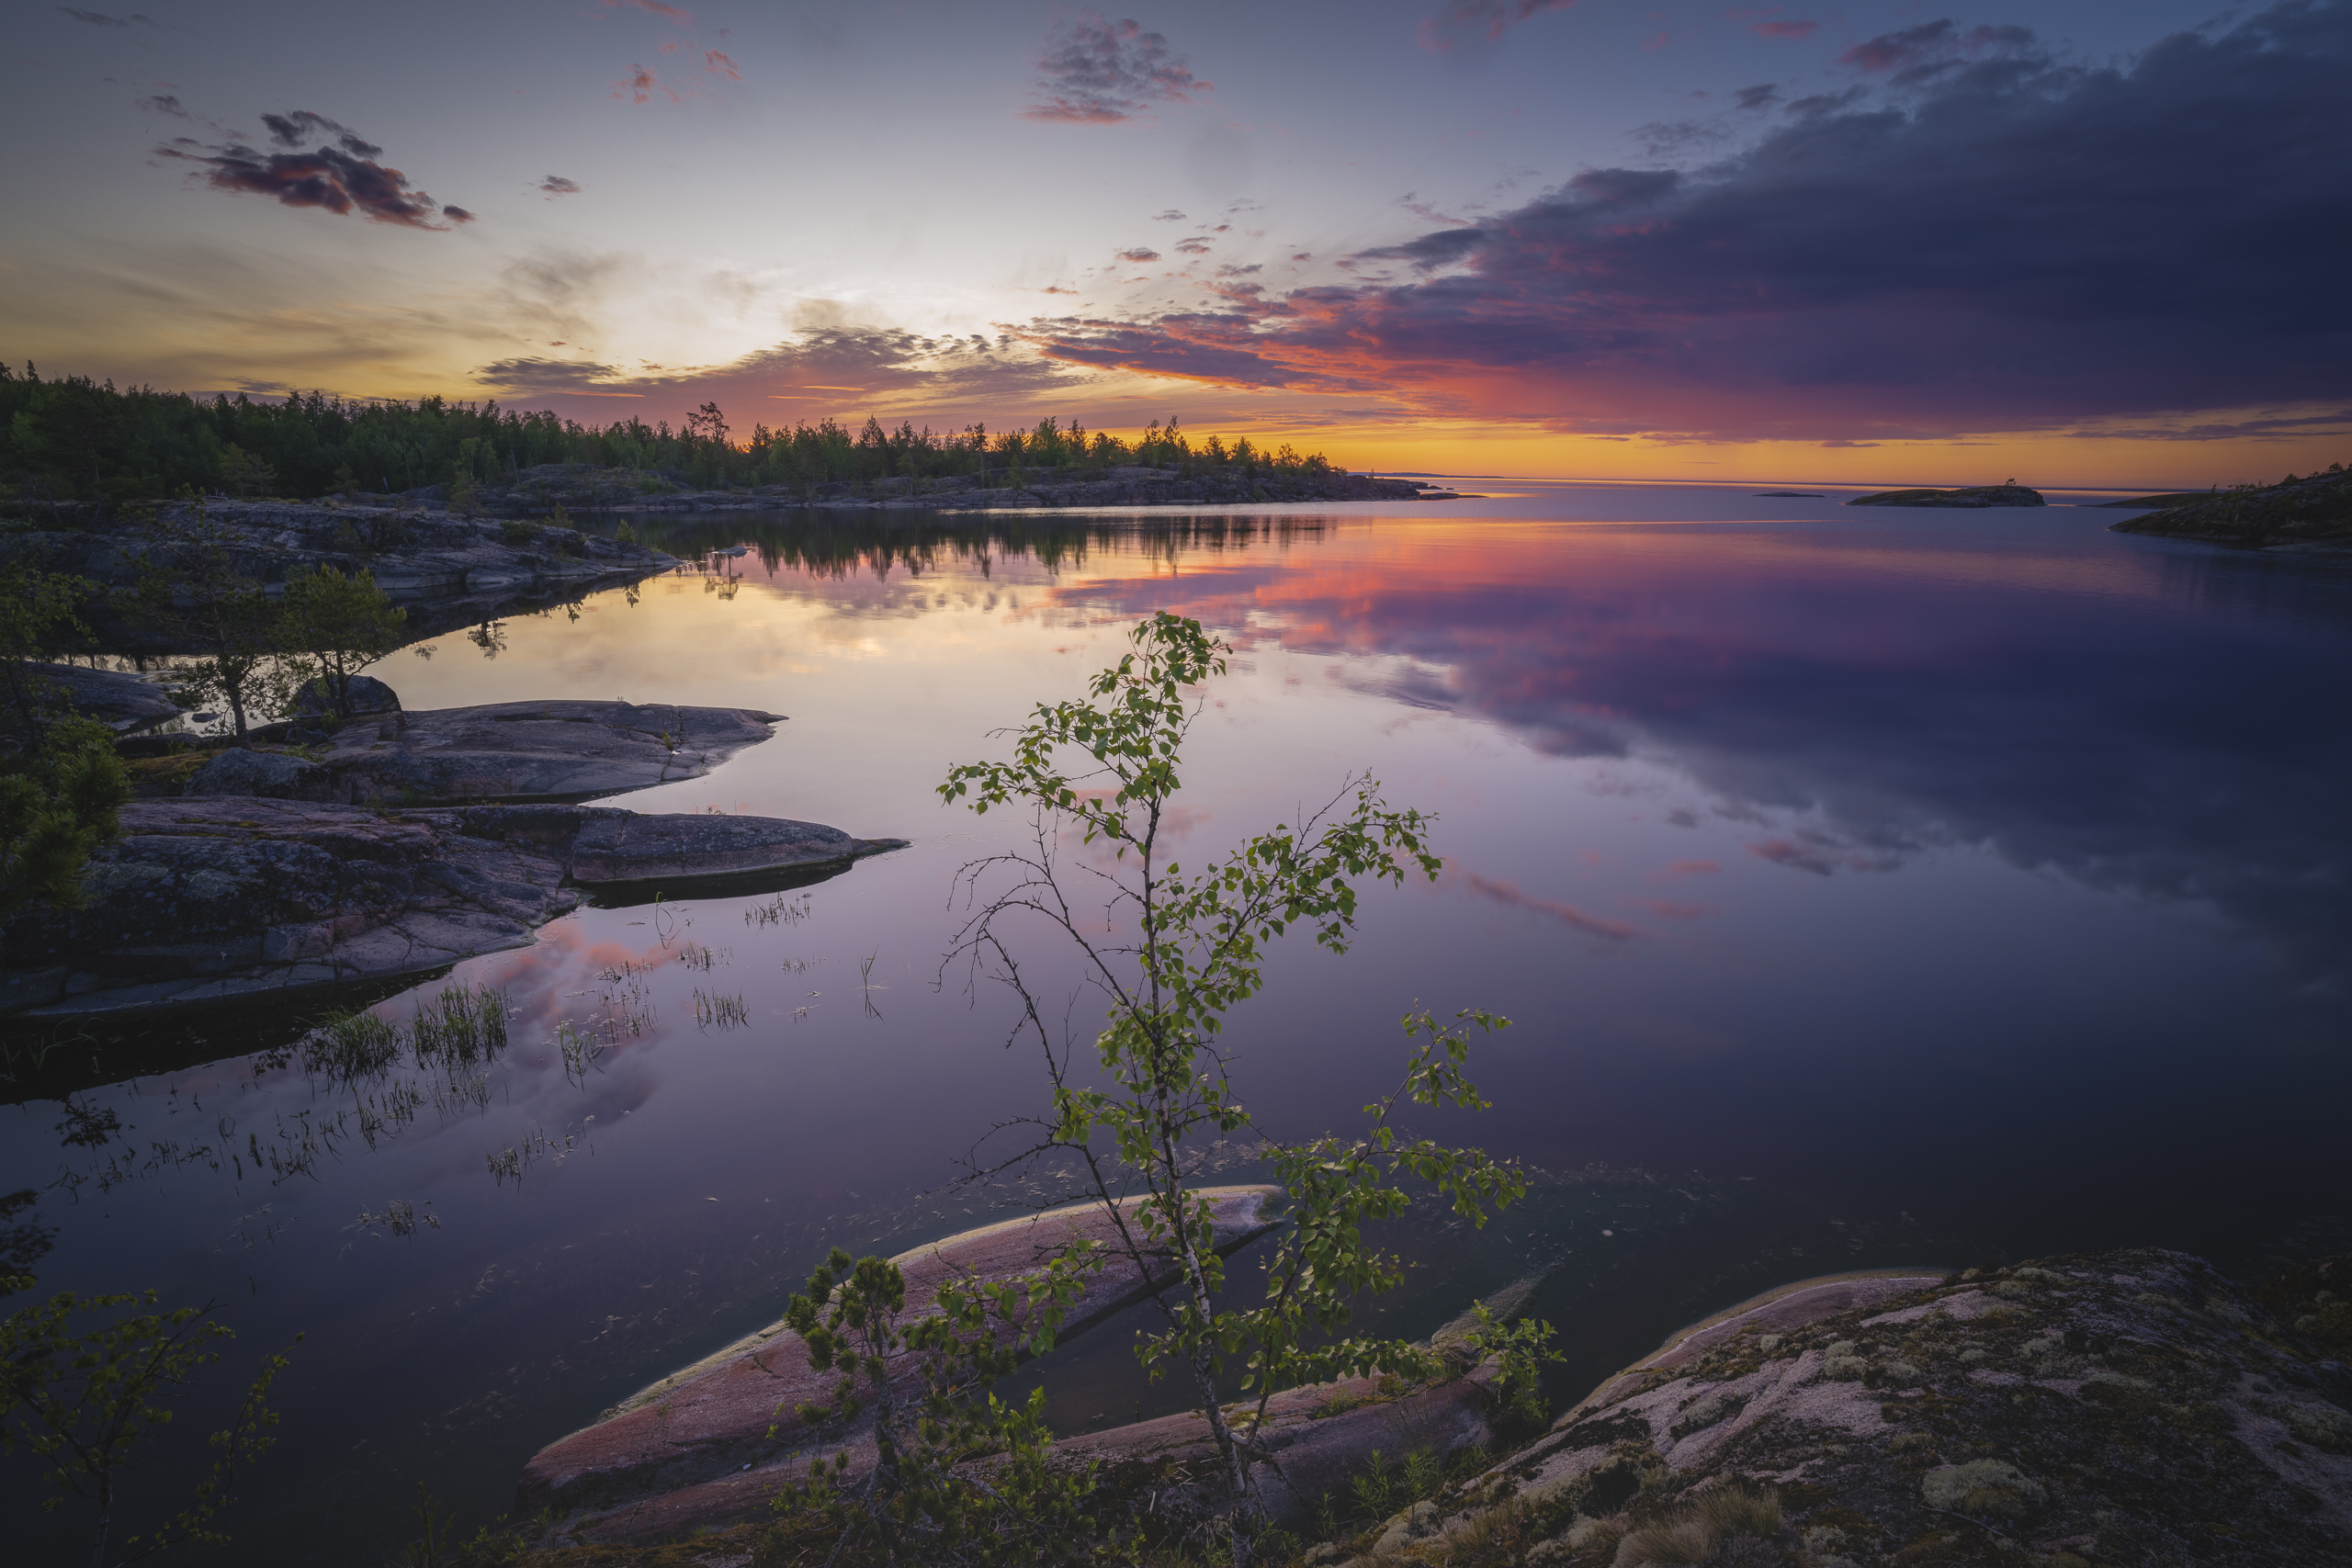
(698, 1448)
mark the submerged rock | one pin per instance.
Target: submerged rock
(220, 897)
(1972, 496)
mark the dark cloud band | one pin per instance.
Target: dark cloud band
(2013, 241)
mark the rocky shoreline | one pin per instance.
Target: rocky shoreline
(229, 896)
(416, 554)
(2308, 512)
(377, 853)
(2123, 1407)
(578, 488)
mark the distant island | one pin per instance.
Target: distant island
(2009, 494)
(75, 441)
(2312, 510)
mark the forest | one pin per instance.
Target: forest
(75, 439)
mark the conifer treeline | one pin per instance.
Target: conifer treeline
(78, 440)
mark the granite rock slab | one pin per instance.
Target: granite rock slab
(569, 749)
(2142, 1408)
(269, 775)
(120, 699)
(695, 1449)
(205, 899)
(213, 898)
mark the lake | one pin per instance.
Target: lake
(1869, 887)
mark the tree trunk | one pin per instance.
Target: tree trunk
(106, 1518)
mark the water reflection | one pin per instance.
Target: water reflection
(1959, 881)
(2056, 707)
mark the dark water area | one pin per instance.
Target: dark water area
(1868, 889)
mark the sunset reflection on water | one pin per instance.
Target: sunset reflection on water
(1880, 889)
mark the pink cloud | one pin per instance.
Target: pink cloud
(640, 84)
(1695, 868)
(1576, 919)
(1484, 19)
(1766, 23)
(1822, 857)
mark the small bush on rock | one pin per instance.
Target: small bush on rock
(1730, 1525)
(1984, 1486)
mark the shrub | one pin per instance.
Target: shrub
(1981, 1486)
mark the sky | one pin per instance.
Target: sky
(2067, 242)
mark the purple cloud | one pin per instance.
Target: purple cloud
(2014, 242)
(337, 178)
(297, 129)
(556, 184)
(1769, 23)
(1912, 54)
(1098, 72)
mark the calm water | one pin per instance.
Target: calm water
(1868, 888)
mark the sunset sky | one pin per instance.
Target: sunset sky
(2076, 243)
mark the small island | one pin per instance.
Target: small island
(2009, 494)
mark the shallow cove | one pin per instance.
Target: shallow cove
(1871, 890)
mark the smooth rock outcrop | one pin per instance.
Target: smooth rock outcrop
(516, 751)
(1970, 496)
(230, 895)
(272, 775)
(367, 695)
(213, 898)
(599, 844)
(695, 1448)
(2112, 1407)
(120, 699)
(1320, 1436)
